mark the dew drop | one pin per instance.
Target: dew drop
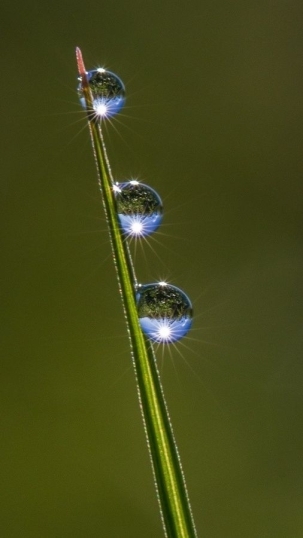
(108, 92)
(165, 312)
(139, 208)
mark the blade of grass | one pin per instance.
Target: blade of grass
(170, 484)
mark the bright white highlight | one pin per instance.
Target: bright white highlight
(165, 332)
(101, 109)
(137, 227)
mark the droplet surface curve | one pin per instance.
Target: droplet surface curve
(139, 208)
(165, 312)
(108, 92)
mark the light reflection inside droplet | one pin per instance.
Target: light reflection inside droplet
(165, 312)
(108, 92)
(139, 208)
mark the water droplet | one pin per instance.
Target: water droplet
(165, 312)
(139, 208)
(108, 92)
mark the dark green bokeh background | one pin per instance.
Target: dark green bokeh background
(214, 123)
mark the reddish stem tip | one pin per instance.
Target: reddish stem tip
(80, 62)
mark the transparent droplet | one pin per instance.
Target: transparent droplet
(139, 208)
(165, 312)
(108, 92)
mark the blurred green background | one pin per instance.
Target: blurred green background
(213, 122)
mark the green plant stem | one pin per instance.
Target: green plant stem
(169, 478)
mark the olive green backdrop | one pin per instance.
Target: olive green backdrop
(213, 122)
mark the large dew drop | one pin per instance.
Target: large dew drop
(165, 312)
(139, 208)
(108, 92)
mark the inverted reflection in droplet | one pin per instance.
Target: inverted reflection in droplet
(139, 208)
(165, 312)
(108, 92)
